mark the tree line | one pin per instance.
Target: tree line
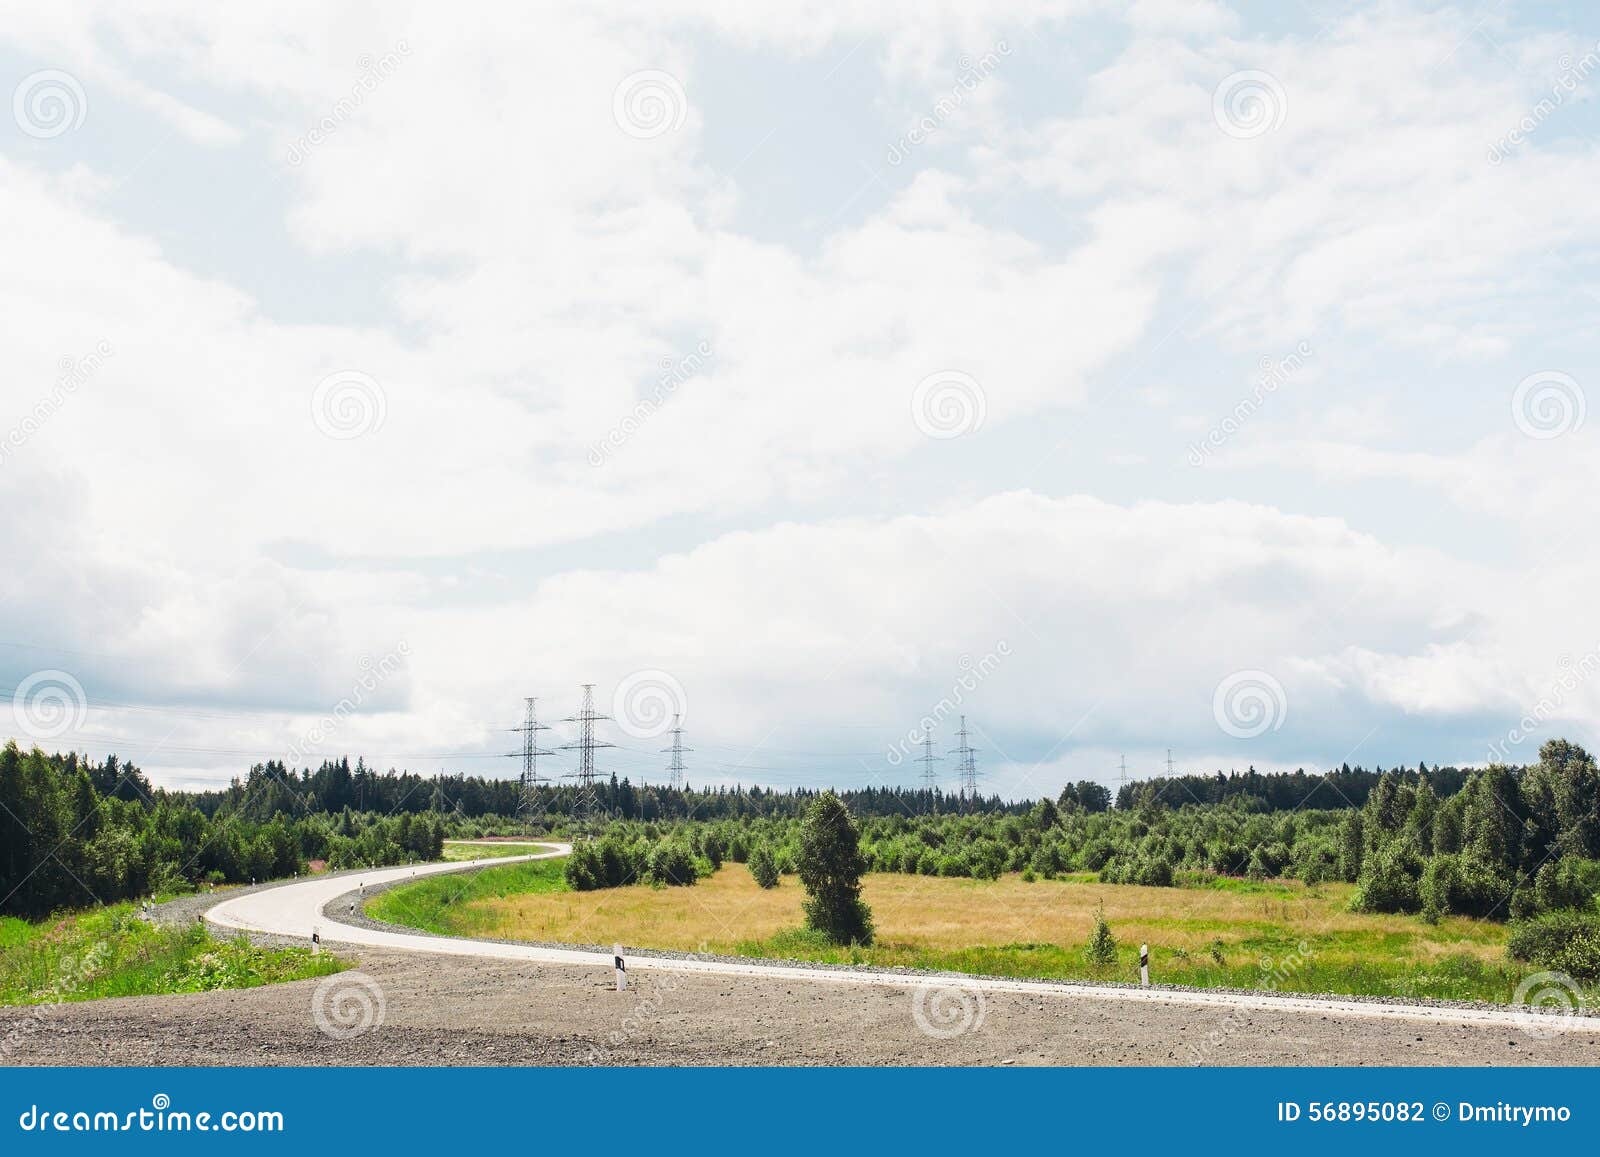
(75, 833)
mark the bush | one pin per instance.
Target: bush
(1463, 885)
(1566, 941)
(1569, 882)
(1388, 883)
(672, 864)
(582, 869)
(1101, 951)
(763, 867)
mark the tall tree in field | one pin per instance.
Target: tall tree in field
(831, 866)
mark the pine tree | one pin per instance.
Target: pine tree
(831, 866)
(1101, 950)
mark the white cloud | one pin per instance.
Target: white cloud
(546, 263)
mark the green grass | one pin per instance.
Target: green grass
(441, 904)
(113, 952)
(462, 851)
(1336, 964)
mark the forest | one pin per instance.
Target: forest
(1495, 843)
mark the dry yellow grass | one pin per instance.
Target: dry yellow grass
(919, 913)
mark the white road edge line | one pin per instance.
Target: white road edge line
(293, 909)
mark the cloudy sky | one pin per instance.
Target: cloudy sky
(1125, 377)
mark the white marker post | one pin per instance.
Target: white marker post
(622, 969)
(1144, 965)
(316, 942)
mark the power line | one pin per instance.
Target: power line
(930, 777)
(531, 751)
(968, 767)
(675, 770)
(588, 802)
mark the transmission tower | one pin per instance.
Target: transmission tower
(930, 778)
(1170, 772)
(675, 769)
(969, 763)
(586, 718)
(527, 795)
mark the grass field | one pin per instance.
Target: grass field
(113, 952)
(460, 904)
(457, 850)
(1235, 933)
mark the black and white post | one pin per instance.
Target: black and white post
(1144, 965)
(316, 942)
(622, 968)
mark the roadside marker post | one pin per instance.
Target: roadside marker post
(1144, 965)
(622, 968)
(316, 942)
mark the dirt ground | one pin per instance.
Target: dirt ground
(452, 1011)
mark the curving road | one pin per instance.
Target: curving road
(296, 909)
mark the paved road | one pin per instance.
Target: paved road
(295, 909)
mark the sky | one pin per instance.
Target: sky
(1130, 379)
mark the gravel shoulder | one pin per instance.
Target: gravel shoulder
(421, 1008)
(456, 1011)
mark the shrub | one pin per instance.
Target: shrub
(763, 867)
(1388, 883)
(1463, 885)
(1569, 882)
(672, 864)
(1096, 853)
(1567, 941)
(582, 869)
(1101, 950)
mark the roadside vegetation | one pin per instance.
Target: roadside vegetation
(113, 951)
(457, 851)
(458, 904)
